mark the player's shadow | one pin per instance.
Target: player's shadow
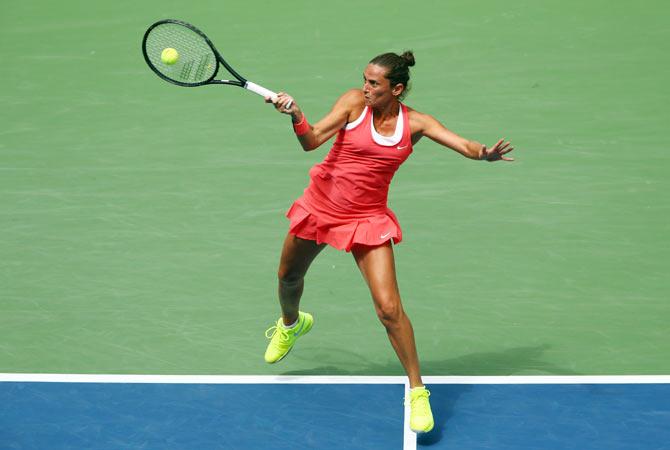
(506, 362)
(442, 411)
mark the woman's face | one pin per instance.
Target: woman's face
(377, 88)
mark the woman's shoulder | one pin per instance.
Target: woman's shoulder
(417, 120)
(415, 115)
(412, 111)
(353, 97)
(351, 104)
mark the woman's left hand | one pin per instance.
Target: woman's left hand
(497, 152)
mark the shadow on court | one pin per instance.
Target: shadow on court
(442, 412)
(506, 362)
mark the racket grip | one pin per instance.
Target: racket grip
(260, 90)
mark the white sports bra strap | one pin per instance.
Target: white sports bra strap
(355, 123)
(388, 140)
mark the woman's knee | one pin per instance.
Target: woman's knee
(389, 309)
(290, 275)
(297, 256)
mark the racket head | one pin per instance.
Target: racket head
(197, 63)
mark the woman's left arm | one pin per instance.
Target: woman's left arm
(426, 125)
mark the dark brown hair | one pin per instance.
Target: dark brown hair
(397, 67)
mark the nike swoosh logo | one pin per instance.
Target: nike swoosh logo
(384, 236)
(297, 332)
(402, 148)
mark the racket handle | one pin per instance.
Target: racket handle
(260, 90)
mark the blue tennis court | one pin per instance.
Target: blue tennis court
(202, 416)
(328, 413)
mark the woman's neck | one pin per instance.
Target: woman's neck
(387, 111)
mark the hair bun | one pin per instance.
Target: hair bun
(408, 57)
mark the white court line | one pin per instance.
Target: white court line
(550, 379)
(325, 379)
(409, 437)
(197, 379)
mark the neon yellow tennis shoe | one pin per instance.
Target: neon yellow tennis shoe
(421, 416)
(283, 339)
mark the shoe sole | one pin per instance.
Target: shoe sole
(423, 431)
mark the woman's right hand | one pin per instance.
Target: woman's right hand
(285, 104)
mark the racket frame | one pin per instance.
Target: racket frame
(240, 81)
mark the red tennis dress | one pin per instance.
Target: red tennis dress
(346, 201)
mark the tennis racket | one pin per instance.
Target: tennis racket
(180, 53)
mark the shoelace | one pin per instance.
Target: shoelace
(283, 334)
(421, 395)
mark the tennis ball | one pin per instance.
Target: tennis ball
(169, 56)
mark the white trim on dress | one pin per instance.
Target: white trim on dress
(355, 123)
(388, 140)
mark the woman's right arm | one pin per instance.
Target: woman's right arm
(312, 136)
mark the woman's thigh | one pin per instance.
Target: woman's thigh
(296, 256)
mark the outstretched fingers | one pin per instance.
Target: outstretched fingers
(497, 152)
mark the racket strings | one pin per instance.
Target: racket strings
(196, 62)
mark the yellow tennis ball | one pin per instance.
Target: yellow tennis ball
(169, 56)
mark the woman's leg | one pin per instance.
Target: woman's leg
(296, 257)
(377, 266)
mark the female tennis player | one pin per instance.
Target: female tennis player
(345, 205)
